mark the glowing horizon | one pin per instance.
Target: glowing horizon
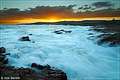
(95, 10)
(51, 20)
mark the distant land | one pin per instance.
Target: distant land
(82, 23)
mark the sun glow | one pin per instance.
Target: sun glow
(58, 20)
(55, 19)
(50, 20)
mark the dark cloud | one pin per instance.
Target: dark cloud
(57, 12)
(85, 7)
(102, 4)
(38, 12)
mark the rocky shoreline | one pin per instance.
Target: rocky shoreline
(36, 72)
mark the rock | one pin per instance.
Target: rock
(5, 61)
(54, 74)
(33, 41)
(25, 38)
(58, 32)
(110, 39)
(67, 31)
(30, 34)
(50, 73)
(7, 54)
(47, 66)
(90, 34)
(62, 31)
(34, 65)
(2, 58)
(2, 50)
(38, 66)
(20, 73)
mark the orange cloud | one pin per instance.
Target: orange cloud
(53, 14)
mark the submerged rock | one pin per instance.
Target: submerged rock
(67, 31)
(58, 32)
(30, 34)
(111, 39)
(33, 41)
(25, 38)
(3, 59)
(2, 50)
(62, 31)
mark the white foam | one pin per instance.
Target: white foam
(79, 57)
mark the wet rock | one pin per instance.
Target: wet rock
(47, 66)
(58, 32)
(50, 73)
(34, 65)
(62, 31)
(54, 74)
(90, 34)
(2, 58)
(20, 73)
(30, 34)
(38, 66)
(110, 39)
(33, 41)
(67, 31)
(25, 38)
(5, 61)
(2, 50)
(7, 54)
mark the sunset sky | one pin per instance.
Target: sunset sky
(30, 11)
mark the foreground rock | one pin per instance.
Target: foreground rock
(42, 72)
(19, 74)
(50, 73)
(25, 38)
(62, 31)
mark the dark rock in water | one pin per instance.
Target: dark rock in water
(25, 38)
(33, 41)
(58, 32)
(47, 66)
(90, 34)
(49, 73)
(62, 31)
(2, 58)
(111, 39)
(7, 54)
(30, 34)
(38, 66)
(34, 65)
(67, 31)
(2, 50)
(5, 61)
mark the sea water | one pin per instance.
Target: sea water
(79, 57)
